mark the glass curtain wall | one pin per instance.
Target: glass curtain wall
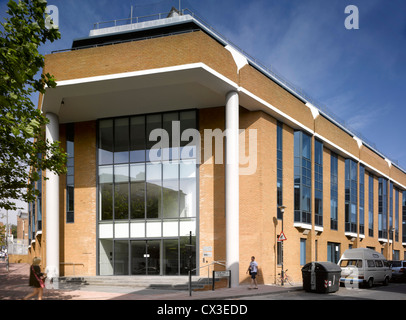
(371, 206)
(318, 183)
(351, 188)
(147, 193)
(383, 209)
(333, 191)
(279, 161)
(303, 177)
(404, 216)
(361, 199)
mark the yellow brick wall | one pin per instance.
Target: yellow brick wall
(258, 228)
(79, 240)
(142, 55)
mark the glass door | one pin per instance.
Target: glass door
(138, 261)
(153, 257)
(145, 257)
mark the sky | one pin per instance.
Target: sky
(359, 75)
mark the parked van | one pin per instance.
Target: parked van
(364, 266)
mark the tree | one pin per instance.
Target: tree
(22, 142)
(2, 236)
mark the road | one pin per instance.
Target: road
(394, 291)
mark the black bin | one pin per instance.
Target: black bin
(322, 277)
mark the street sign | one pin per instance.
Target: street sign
(221, 274)
(282, 237)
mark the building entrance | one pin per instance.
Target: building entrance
(145, 257)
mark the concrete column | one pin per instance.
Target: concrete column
(232, 187)
(52, 206)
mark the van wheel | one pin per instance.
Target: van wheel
(386, 281)
(370, 283)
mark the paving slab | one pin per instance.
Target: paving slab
(14, 286)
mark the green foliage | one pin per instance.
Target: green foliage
(22, 143)
(2, 236)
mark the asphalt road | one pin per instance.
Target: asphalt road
(394, 291)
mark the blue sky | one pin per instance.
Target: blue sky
(359, 75)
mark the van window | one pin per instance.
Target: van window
(403, 264)
(351, 263)
(395, 264)
(379, 263)
(371, 263)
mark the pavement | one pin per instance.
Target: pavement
(14, 286)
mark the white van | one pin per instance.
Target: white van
(364, 266)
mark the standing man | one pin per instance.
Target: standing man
(253, 270)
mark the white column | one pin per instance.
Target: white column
(52, 205)
(232, 187)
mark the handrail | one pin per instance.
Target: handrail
(72, 264)
(210, 264)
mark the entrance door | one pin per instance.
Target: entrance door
(145, 257)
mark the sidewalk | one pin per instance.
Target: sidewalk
(14, 286)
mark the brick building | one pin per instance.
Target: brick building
(119, 210)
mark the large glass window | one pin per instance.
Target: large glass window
(302, 177)
(302, 252)
(351, 188)
(147, 175)
(404, 217)
(333, 191)
(390, 210)
(371, 206)
(318, 183)
(361, 199)
(70, 176)
(383, 209)
(397, 214)
(279, 162)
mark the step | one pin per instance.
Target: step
(156, 282)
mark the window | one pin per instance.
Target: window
(303, 177)
(147, 189)
(397, 214)
(351, 196)
(361, 199)
(39, 200)
(351, 263)
(333, 252)
(371, 206)
(302, 252)
(279, 161)
(404, 217)
(379, 263)
(334, 191)
(279, 256)
(318, 183)
(390, 210)
(70, 176)
(383, 209)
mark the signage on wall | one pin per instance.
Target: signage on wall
(207, 252)
(282, 237)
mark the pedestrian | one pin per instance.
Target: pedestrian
(36, 279)
(253, 271)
